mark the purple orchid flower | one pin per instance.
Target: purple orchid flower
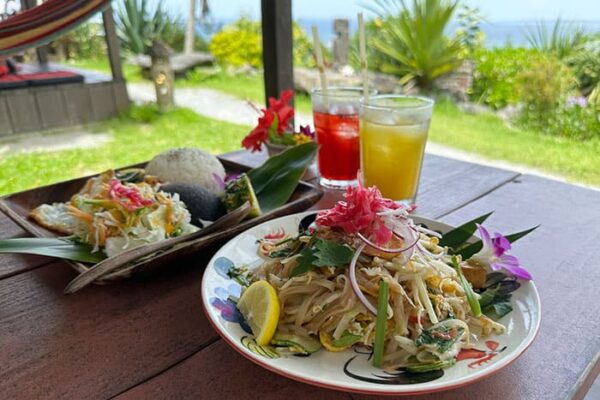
(494, 254)
(305, 130)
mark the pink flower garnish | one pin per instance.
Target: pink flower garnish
(129, 198)
(494, 254)
(359, 213)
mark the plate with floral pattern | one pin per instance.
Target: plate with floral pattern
(351, 370)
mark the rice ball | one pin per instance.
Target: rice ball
(188, 165)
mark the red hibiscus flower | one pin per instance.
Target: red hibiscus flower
(282, 108)
(260, 134)
(267, 125)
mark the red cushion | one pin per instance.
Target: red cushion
(4, 70)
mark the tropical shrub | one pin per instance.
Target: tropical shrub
(561, 41)
(240, 43)
(138, 24)
(469, 30)
(85, 41)
(495, 76)
(414, 39)
(576, 118)
(586, 66)
(544, 91)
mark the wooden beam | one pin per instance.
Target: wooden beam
(112, 44)
(277, 46)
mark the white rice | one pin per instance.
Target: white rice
(188, 165)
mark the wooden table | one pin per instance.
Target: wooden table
(150, 339)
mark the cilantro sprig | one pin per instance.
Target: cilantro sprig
(322, 253)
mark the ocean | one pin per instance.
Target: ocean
(497, 34)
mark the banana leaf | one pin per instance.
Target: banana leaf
(274, 181)
(59, 248)
(459, 236)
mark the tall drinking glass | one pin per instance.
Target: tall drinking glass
(335, 115)
(393, 134)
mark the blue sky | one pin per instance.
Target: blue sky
(494, 10)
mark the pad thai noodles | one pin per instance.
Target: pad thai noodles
(364, 274)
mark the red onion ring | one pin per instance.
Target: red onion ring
(386, 250)
(354, 283)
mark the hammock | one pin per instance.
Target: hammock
(42, 24)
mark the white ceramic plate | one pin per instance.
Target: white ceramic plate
(350, 370)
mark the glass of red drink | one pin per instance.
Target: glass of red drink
(335, 115)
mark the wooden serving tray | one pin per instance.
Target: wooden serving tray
(18, 206)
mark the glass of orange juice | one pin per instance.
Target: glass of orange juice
(393, 134)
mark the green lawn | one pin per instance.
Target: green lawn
(136, 137)
(132, 72)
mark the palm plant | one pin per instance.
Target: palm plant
(413, 39)
(138, 25)
(562, 40)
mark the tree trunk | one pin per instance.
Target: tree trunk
(190, 31)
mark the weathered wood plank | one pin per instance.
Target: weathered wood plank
(218, 372)
(53, 110)
(103, 102)
(121, 96)
(24, 111)
(562, 257)
(78, 103)
(101, 341)
(5, 125)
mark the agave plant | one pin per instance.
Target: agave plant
(562, 40)
(414, 39)
(138, 25)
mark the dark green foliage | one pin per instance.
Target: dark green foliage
(138, 24)
(413, 42)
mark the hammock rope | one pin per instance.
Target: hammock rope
(42, 24)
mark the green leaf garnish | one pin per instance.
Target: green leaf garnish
(473, 302)
(322, 253)
(306, 262)
(459, 236)
(276, 179)
(59, 248)
(380, 323)
(472, 249)
(332, 254)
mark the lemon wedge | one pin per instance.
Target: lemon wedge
(259, 305)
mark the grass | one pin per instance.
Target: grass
(488, 136)
(137, 136)
(131, 72)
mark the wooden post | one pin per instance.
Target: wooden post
(340, 44)
(112, 44)
(190, 29)
(277, 46)
(162, 75)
